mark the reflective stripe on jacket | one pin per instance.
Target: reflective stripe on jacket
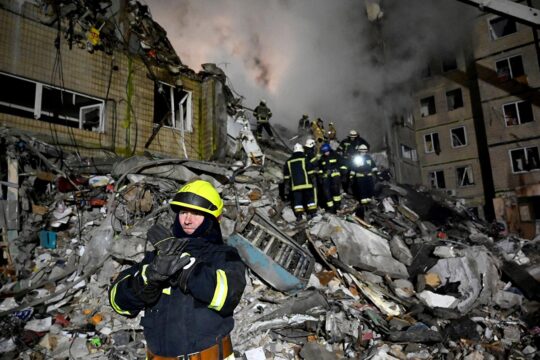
(297, 170)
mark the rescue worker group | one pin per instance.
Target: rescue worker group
(322, 169)
(319, 171)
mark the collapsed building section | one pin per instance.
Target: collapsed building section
(418, 277)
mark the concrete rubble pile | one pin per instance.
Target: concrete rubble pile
(417, 278)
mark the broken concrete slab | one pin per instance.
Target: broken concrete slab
(434, 300)
(400, 250)
(360, 247)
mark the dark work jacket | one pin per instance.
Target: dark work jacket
(331, 165)
(262, 113)
(181, 323)
(350, 145)
(311, 155)
(297, 170)
(366, 167)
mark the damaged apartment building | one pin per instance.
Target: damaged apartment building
(474, 131)
(101, 77)
(101, 124)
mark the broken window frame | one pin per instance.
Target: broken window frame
(427, 106)
(408, 153)
(510, 68)
(453, 137)
(44, 106)
(526, 154)
(435, 143)
(519, 113)
(436, 179)
(454, 99)
(464, 173)
(181, 116)
(508, 29)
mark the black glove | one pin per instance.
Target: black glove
(168, 260)
(150, 281)
(181, 279)
(148, 292)
(158, 232)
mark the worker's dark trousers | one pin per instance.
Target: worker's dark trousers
(363, 188)
(331, 191)
(266, 126)
(302, 200)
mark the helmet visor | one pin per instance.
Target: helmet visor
(191, 200)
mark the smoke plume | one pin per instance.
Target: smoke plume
(320, 57)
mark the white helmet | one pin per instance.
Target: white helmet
(298, 148)
(353, 133)
(363, 148)
(310, 143)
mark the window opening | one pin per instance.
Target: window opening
(427, 106)
(501, 26)
(459, 137)
(464, 176)
(525, 159)
(510, 68)
(32, 99)
(173, 107)
(431, 143)
(517, 113)
(409, 153)
(436, 179)
(449, 63)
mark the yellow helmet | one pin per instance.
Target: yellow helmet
(198, 195)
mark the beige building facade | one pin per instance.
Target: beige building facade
(445, 132)
(508, 67)
(95, 101)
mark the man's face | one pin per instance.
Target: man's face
(190, 220)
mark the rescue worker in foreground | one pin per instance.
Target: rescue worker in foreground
(362, 171)
(189, 286)
(263, 114)
(329, 166)
(297, 173)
